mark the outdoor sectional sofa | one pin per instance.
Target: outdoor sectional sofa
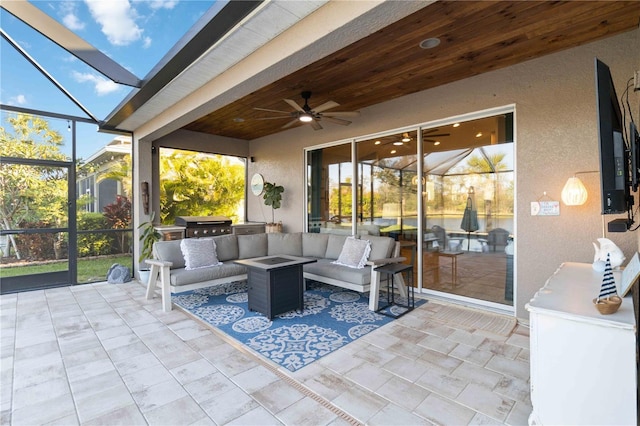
(169, 262)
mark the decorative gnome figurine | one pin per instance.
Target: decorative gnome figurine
(608, 300)
(607, 248)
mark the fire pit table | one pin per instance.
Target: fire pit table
(275, 283)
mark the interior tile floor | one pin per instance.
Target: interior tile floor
(480, 275)
(101, 354)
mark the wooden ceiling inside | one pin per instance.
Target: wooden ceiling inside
(476, 37)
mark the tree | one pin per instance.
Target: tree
(200, 185)
(492, 168)
(272, 195)
(23, 187)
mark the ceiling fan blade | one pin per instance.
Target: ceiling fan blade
(272, 118)
(273, 110)
(342, 114)
(315, 125)
(325, 106)
(336, 120)
(291, 123)
(295, 105)
(437, 136)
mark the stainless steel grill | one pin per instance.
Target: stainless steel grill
(204, 226)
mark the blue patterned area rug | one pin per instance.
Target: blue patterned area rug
(332, 317)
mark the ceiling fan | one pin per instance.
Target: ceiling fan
(405, 138)
(306, 114)
(431, 133)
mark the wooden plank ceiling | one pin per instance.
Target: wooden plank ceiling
(476, 37)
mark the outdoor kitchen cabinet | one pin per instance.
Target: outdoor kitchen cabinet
(248, 228)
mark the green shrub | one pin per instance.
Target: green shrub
(94, 244)
(118, 216)
(39, 246)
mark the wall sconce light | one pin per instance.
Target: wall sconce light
(574, 192)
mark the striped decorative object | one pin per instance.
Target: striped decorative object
(608, 287)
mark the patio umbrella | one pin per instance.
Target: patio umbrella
(470, 216)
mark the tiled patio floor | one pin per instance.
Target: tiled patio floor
(101, 354)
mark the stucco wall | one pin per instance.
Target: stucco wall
(556, 136)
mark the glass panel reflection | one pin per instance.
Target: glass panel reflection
(467, 201)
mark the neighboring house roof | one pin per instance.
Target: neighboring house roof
(117, 148)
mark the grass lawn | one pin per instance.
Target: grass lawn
(89, 270)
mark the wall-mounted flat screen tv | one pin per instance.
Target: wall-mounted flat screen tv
(614, 159)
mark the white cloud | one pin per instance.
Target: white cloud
(24, 44)
(147, 42)
(72, 22)
(101, 85)
(163, 4)
(117, 19)
(69, 18)
(18, 100)
(69, 58)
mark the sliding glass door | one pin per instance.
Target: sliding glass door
(445, 192)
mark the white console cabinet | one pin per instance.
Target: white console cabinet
(583, 364)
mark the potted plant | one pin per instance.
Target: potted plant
(148, 236)
(273, 197)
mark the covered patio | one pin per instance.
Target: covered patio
(103, 354)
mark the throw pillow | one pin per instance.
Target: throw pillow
(199, 253)
(354, 253)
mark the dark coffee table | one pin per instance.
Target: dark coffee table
(275, 284)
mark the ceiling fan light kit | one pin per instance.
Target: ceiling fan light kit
(312, 116)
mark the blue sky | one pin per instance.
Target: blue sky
(136, 34)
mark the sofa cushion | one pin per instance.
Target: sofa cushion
(314, 245)
(199, 253)
(184, 277)
(169, 251)
(354, 253)
(381, 247)
(252, 246)
(334, 246)
(281, 243)
(226, 247)
(326, 268)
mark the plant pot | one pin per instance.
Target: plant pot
(144, 275)
(273, 227)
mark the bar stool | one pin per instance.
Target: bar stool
(390, 271)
